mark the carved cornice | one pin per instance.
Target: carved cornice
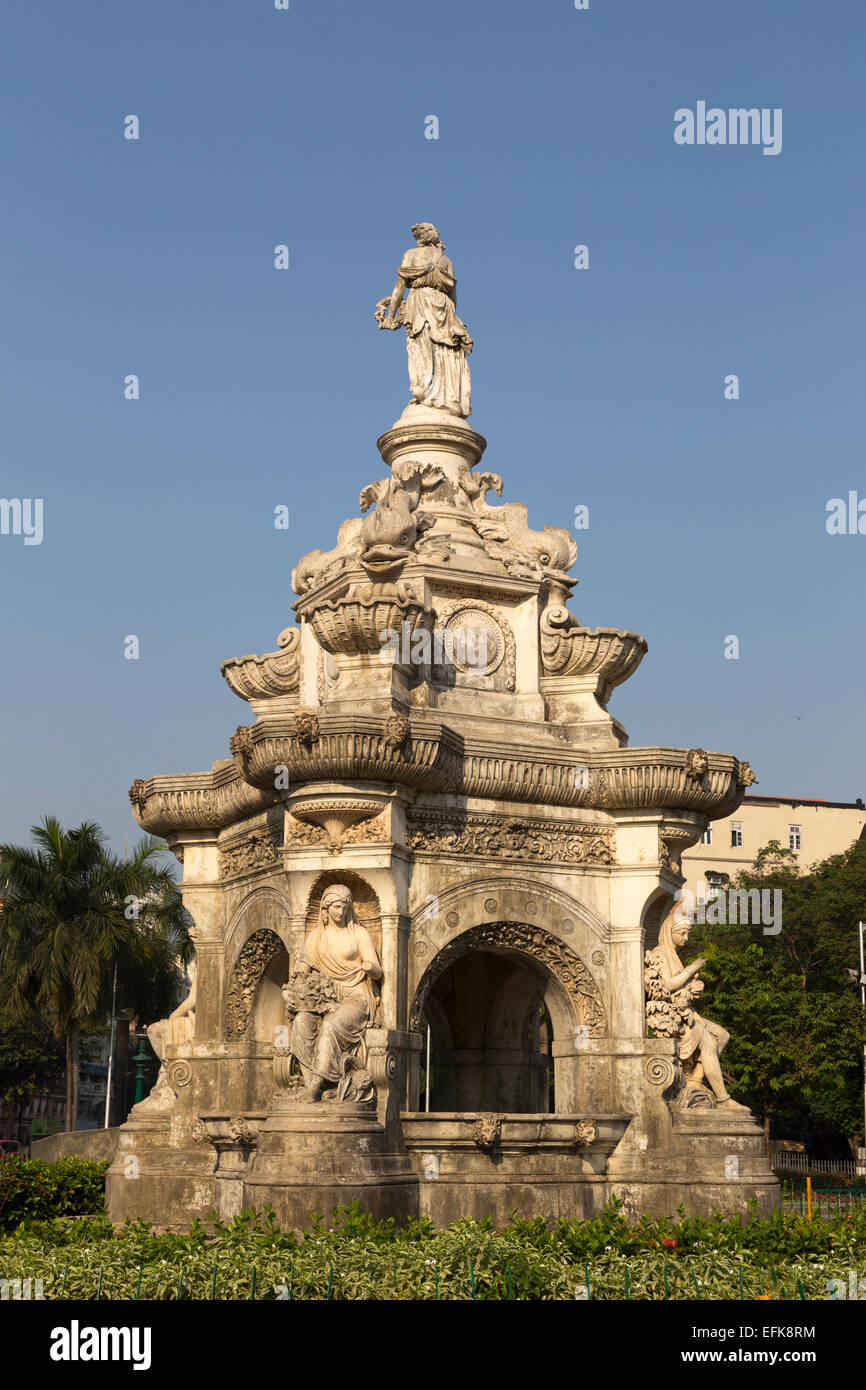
(349, 748)
(508, 837)
(197, 800)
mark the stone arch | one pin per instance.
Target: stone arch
(575, 999)
(265, 909)
(518, 897)
(655, 910)
(366, 902)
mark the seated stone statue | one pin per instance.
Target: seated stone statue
(179, 1027)
(331, 999)
(671, 987)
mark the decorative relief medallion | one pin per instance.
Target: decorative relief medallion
(477, 646)
(566, 925)
(598, 957)
(255, 851)
(508, 838)
(452, 919)
(255, 957)
(490, 904)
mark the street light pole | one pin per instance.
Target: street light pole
(111, 1047)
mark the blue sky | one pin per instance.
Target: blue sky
(601, 387)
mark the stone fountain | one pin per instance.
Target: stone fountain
(434, 891)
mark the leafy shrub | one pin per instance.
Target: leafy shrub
(33, 1189)
(356, 1257)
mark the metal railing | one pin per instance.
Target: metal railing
(792, 1161)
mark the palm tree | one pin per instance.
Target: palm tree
(70, 911)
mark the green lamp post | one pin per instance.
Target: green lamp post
(142, 1062)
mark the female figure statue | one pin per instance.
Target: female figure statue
(331, 998)
(671, 987)
(437, 340)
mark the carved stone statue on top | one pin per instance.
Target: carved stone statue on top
(331, 999)
(437, 340)
(671, 988)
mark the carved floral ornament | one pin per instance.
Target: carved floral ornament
(510, 838)
(338, 821)
(260, 849)
(254, 959)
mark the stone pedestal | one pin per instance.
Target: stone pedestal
(312, 1158)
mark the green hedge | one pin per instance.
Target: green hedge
(356, 1258)
(33, 1189)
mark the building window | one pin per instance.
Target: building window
(736, 834)
(793, 837)
(707, 837)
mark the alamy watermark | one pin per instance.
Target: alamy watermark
(465, 648)
(22, 516)
(717, 906)
(738, 125)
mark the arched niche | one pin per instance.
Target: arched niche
(654, 914)
(366, 903)
(269, 1007)
(488, 996)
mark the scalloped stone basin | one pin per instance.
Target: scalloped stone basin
(571, 650)
(357, 621)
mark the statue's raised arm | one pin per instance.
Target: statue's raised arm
(438, 341)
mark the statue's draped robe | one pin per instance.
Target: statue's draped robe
(321, 1047)
(437, 340)
(693, 1025)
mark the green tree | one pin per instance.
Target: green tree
(71, 909)
(796, 1023)
(31, 1059)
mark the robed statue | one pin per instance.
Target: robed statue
(331, 998)
(437, 340)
